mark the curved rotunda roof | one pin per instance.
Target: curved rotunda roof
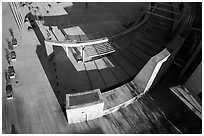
(134, 48)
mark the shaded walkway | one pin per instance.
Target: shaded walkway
(173, 107)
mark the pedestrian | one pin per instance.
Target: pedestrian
(86, 5)
(49, 37)
(50, 28)
(49, 5)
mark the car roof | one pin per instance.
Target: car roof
(9, 88)
(11, 68)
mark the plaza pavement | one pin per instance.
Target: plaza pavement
(40, 112)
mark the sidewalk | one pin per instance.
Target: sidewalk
(34, 107)
(177, 112)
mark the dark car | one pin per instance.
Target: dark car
(11, 72)
(13, 55)
(9, 92)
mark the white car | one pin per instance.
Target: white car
(14, 42)
(79, 58)
(9, 92)
(11, 72)
(13, 55)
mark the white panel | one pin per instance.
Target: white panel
(78, 44)
(78, 114)
(194, 83)
(49, 48)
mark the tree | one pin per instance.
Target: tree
(7, 56)
(11, 32)
(6, 76)
(10, 45)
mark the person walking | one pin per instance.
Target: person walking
(86, 5)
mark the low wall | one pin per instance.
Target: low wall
(84, 106)
(144, 79)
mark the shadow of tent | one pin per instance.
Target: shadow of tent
(41, 53)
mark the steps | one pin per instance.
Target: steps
(166, 11)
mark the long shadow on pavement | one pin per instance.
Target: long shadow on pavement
(41, 53)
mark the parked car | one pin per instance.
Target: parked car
(14, 42)
(13, 55)
(11, 72)
(9, 92)
(79, 58)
